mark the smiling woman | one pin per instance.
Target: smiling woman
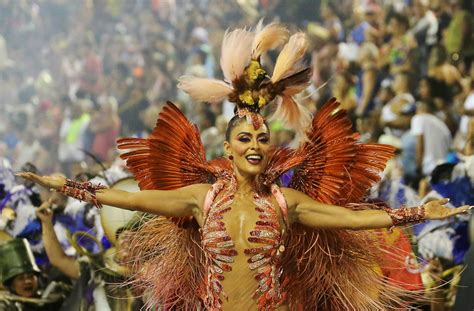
(231, 235)
(247, 147)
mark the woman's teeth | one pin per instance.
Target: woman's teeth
(254, 159)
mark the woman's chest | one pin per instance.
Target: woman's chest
(240, 220)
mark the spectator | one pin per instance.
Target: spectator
(458, 37)
(392, 116)
(20, 276)
(73, 137)
(105, 126)
(332, 22)
(368, 79)
(447, 76)
(343, 89)
(399, 52)
(130, 109)
(433, 138)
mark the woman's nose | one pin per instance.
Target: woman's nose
(254, 145)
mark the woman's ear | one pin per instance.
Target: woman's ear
(227, 148)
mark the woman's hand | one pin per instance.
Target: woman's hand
(436, 210)
(51, 182)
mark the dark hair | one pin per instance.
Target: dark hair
(236, 120)
(431, 83)
(401, 19)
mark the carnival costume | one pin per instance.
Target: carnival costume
(182, 266)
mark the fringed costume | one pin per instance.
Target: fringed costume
(182, 266)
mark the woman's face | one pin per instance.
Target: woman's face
(249, 148)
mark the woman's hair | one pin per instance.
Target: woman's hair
(236, 120)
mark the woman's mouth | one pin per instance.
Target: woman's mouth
(254, 159)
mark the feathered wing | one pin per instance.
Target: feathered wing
(335, 269)
(337, 168)
(165, 253)
(172, 157)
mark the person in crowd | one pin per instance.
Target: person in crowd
(446, 75)
(73, 136)
(130, 109)
(433, 139)
(392, 114)
(332, 22)
(399, 53)
(458, 36)
(84, 271)
(424, 28)
(344, 89)
(21, 277)
(368, 79)
(105, 126)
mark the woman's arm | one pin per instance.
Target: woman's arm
(185, 201)
(181, 202)
(303, 209)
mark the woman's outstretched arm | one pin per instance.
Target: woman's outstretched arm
(181, 202)
(305, 210)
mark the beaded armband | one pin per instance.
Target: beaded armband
(406, 215)
(83, 191)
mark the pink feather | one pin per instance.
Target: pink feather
(293, 115)
(267, 38)
(204, 90)
(289, 56)
(236, 53)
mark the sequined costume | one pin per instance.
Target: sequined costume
(219, 249)
(182, 266)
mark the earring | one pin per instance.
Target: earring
(231, 157)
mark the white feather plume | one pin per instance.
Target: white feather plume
(204, 90)
(236, 53)
(268, 37)
(289, 56)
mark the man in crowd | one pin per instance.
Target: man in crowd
(21, 278)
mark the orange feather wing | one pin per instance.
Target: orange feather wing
(337, 168)
(172, 157)
(334, 269)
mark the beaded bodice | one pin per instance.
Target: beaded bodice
(264, 258)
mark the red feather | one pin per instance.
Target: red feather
(334, 269)
(337, 168)
(172, 157)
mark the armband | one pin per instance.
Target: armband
(406, 215)
(83, 191)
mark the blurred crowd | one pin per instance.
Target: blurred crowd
(76, 75)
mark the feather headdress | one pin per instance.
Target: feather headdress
(247, 83)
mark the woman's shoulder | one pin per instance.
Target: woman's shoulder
(198, 188)
(292, 196)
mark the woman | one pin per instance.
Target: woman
(249, 150)
(255, 245)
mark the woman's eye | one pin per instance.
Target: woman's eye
(264, 140)
(244, 139)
